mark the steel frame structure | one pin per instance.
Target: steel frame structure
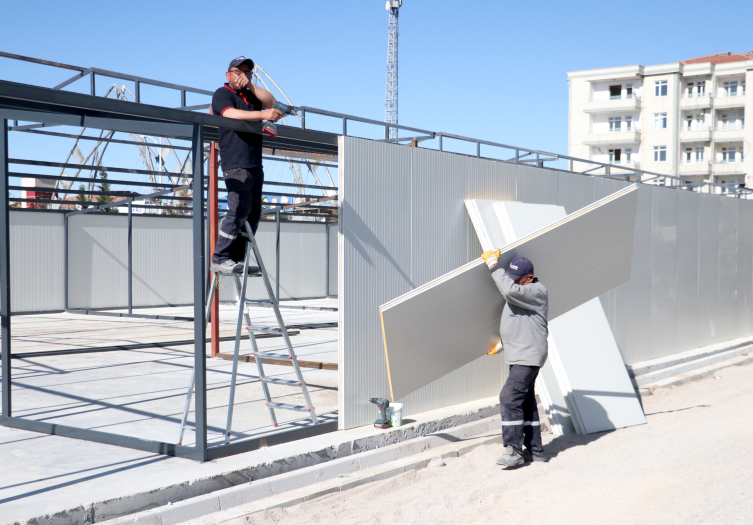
(58, 107)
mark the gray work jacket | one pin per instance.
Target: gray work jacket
(523, 327)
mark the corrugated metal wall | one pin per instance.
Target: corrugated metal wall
(36, 270)
(403, 223)
(162, 261)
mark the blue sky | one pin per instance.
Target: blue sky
(492, 70)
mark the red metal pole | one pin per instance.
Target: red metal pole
(213, 217)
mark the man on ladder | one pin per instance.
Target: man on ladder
(240, 159)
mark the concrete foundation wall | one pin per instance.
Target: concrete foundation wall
(403, 223)
(162, 261)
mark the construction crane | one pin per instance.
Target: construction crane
(390, 107)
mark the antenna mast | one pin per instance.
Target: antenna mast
(390, 107)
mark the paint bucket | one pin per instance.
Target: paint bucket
(395, 414)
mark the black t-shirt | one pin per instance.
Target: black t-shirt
(237, 149)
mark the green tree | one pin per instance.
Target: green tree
(82, 198)
(104, 186)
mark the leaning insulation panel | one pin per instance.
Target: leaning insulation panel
(449, 322)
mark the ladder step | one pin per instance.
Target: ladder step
(286, 406)
(265, 330)
(270, 354)
(277, 381)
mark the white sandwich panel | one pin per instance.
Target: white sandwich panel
(453, 320)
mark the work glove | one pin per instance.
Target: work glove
(491, 257)
(499, 347)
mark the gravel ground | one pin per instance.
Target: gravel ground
(691, 464)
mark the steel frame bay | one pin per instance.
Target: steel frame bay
(41, 102)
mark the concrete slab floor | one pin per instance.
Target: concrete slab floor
(42, 474)
(65, 331)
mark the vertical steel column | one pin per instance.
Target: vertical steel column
(302, 113)
(440, 143)
(199, 327)
(130, 257)
(326, 280)
(183, 98)
(137, 92)
(65, 261)
(5, 268)
(277, 259)
(478, 149)
(345, 126)
(93, 85)
(213, 215)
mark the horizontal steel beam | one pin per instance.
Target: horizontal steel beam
(155, 447)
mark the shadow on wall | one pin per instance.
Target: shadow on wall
(362, 236)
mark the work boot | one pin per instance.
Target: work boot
(510, 458)
(227, 266)
(529, 456)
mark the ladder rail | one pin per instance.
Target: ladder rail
(276, 308)
(254, 350)
(236, 351)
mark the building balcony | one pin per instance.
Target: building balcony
(729, 168)
(617, 137)
(698, 167)
(610, 106)
(695, 135)
(729, 102)
(729, 134)
(695, 101)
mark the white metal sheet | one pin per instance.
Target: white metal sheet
(454, 320)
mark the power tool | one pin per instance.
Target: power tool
(269, 127)
(382, 405)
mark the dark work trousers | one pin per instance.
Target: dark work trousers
(244, 190)
(520, 417)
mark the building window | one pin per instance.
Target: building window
(699, 153)
(660, 88)
(660, 153)
(660, 121)
(689, 89)
(629, 90)
(726, 121)
(628, 123)
(700, 88)
(730, 88)
(689, 120)
(615, 124)
(729, 154)
(628, 155)
(615, 156)
(742, 120)
(688, 155)
(615, 92)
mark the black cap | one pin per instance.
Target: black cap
(519, 267)
(241, 60)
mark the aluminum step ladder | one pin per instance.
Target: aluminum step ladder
(240, 286)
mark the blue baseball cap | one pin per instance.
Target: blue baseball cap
(519, 267)
(241, 60)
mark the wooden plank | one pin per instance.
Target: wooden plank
(453, 320)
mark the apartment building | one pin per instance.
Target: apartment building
(685, 119)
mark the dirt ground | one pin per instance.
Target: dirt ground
(691, 464)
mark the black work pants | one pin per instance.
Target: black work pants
(517, 405)
(244, 191)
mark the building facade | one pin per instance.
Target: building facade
(685, 119)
